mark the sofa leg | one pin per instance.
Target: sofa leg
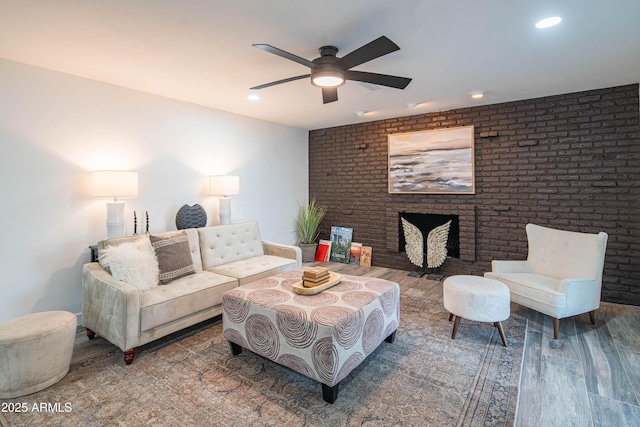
(90, 334)
(556, 327)
(592, 317)
(129, 355)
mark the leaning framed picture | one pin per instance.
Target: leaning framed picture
(432, 162)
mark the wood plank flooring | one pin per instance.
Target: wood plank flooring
(589, 376)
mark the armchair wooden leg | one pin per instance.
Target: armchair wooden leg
(556, 327)
(592, 317)
(450, 316)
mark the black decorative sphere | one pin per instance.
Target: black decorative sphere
(191, 217)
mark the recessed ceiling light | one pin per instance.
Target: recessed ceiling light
(548, 22)
(476, 94)
(361, 113)
(411, 104)
(253, 97)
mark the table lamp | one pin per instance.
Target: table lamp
(116, 184)
(224, 185)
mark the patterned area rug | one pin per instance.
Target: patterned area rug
(191, 379)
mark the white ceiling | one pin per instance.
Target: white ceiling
(200, 51)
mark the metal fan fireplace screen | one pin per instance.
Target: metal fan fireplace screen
(436, 247)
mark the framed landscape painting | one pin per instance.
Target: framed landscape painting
(432, 162)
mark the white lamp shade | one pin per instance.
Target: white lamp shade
(115, 184)
(224, 185)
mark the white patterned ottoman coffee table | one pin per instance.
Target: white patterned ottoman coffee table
(323, 336)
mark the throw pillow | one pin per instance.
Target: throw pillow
(134, 262)
(174, 256)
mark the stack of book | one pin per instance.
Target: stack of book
(315, 276)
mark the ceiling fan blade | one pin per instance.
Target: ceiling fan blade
(290, 79)
(284, 54)
(329, 94)
(375, 49)
(378, 79)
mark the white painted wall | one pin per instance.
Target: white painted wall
(56, 128)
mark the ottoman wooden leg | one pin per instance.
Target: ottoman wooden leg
(504, 338)
(330, 394)
(455, 327)
(235, 348)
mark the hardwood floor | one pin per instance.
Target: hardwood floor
(589, 376)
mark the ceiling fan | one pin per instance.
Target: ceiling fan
(329, 72)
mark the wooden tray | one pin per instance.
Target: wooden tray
(334, 279)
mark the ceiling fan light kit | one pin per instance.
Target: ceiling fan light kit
(329, 72)
(327, 78)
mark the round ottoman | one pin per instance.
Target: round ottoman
(477, 298)
(35, 351)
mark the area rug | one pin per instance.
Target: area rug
(190, 378)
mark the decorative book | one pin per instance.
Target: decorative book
(299, 288)
(365, 256)
(354, 254)
(341, 244)
(323, 251)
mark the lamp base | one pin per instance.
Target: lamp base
(224, 212)
(115, 219)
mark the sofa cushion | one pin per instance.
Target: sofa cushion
(254, 268)
(228, 243)
(133, 262)
(539, 291)
(174, 256)
(194, 245)
(182, 297)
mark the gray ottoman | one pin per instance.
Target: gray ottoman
(35, 351)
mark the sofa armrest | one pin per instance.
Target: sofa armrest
(110, 308)
(583, 294)
(284, 251)
(511, 267)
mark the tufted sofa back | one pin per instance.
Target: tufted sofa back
(227, 243)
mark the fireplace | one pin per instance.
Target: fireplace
(426, 223)
(466, 226)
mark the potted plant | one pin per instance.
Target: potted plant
(308, 224)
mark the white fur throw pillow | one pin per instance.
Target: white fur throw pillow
(135, 263)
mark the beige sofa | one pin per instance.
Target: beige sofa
(223, 258)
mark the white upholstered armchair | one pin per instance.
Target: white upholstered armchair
(562, 275)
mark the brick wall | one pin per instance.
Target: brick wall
(568, 161)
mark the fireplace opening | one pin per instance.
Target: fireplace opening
(426, 223)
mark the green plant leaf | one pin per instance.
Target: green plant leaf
(308, 224)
